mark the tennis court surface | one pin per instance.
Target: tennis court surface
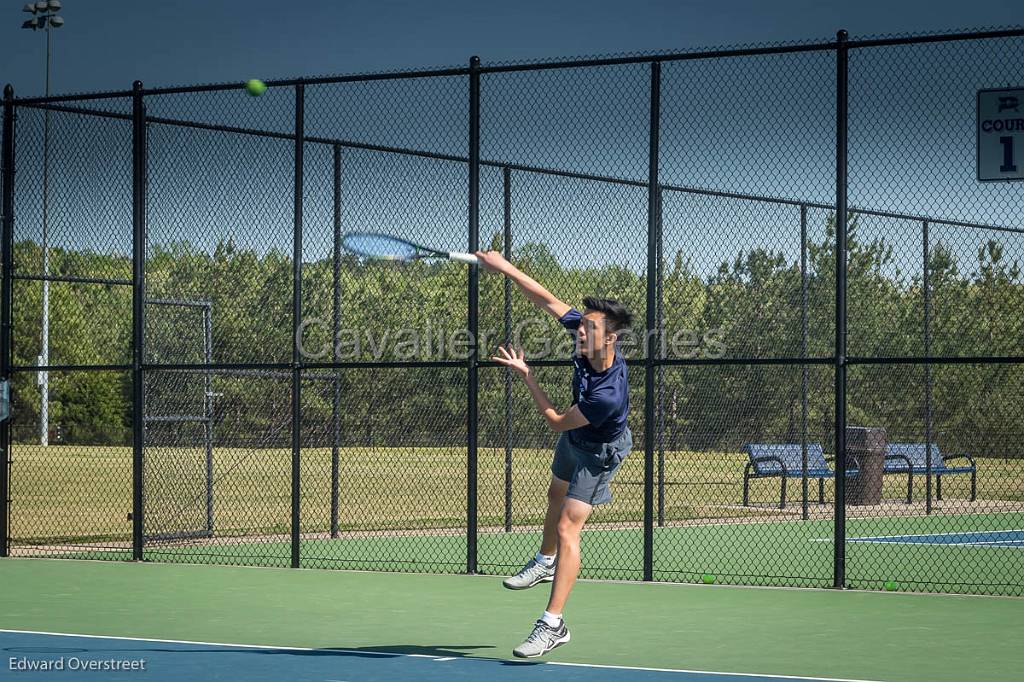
(218, 622)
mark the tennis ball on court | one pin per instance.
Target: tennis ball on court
(890, 586)
(708, 579)
(255, 87)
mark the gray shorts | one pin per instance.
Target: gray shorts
(589, 467)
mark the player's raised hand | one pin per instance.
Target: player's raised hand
(493, 261)
(512, 358)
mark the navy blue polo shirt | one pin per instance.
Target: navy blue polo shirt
(603, 397)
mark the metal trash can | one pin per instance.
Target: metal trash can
(868, 445)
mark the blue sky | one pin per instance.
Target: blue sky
(911, 123)
(107, 45)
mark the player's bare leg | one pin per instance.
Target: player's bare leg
(541, 568)
(574, 514)
(550, 631)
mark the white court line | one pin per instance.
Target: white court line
(941, 534)
(707, 672)
(888, 539)
(934, 544)
(945, 544)
(881, 542)
(937, 544)
(392, 655)
(996, 545)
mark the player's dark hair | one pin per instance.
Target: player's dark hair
(617, 315)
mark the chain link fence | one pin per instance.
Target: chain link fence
(826, 366)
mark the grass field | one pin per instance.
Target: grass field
(404, 509)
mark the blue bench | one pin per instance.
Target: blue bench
(785, 460)
(911, 459)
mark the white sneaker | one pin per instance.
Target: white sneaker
(533, 572)
(543, 639)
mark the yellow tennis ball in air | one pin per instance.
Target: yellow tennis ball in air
(255, 87)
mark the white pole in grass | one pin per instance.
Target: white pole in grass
(45, 17)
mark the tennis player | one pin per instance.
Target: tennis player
(593, 440)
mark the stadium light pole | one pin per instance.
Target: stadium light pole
(45, 17)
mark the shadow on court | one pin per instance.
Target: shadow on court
(446, 651)
(195, 661)
(383, 651)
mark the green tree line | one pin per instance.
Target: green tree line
(755, 306)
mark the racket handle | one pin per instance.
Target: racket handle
(464, 257)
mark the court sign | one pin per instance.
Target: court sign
(1001, 134)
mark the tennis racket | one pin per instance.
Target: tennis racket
(385, 247)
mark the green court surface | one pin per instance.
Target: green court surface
(775, 553)
(815, 633)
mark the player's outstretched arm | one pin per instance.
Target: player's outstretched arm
(541, 297)
(571, 419)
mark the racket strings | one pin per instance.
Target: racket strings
(379, 246)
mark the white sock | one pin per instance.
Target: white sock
(552, 619)
(545, 560)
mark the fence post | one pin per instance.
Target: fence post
(839, 544)
(803, 354)
(650, 426)
(208, 408)
(336, 329)
(474, 276)
(300, 98)
(926, 286)
(660, 392)
(138, 311)
(7, 214)
(506, 176)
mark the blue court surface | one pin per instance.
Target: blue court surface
(40, 655)
(981, 538)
